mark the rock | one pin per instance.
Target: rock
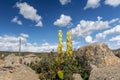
(106, 73)
(97, 54)
(105, 65)
(13, 69)
(117, 52)
(31, 58)
(12, 59)
(20, 72)
(77, 77)
(2, 63)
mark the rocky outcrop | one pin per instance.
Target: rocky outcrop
(31, 58)
(12, 68)
(106, 73)
(12, 59)
(97, 54)
(20, 72)
(77, 77)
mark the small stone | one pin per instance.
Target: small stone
(77, 77)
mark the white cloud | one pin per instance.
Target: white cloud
(92, 4)
(75, 43)
(15, 20)
(39, 24)
(11, 43)
(114, 42)
(113, 30)
(45, 47)
(63, 21)
(117, 38)
(88, 39)
(63, 2)
(113, 3)
(24, 35)
(115, 20)
(29, 12)
(86, 27)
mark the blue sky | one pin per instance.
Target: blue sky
(37, 23)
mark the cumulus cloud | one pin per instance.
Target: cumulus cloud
(63, 21)
(11, 43)
(63, 2)
(15, 20)
(29, 12)
(75, 42)
(114, 42)
(116, 38)
(44, 47)
(92, 4)
(39, 24)
(88, 39)
(113, 3)
(113, 30)
(86, 27)
(24, 35)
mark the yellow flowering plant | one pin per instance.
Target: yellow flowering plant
(69, 44)
(60, 52)
(60, 60)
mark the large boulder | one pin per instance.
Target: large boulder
(12, 59)
(97, 54)
(20, 72)
(106, 73)
(13, 69)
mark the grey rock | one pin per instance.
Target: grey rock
(12, 59)
(77, 77)
(106, 73)
(20, 72)
(97, 54)
(31, 58)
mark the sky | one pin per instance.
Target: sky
(37, 23)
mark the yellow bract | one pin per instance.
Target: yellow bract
(60, 74)
(69, 43)
(60, 44)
